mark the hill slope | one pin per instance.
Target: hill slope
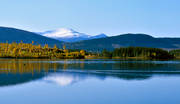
(126, 40)
(17, 35)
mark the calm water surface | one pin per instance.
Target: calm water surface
(30, 81)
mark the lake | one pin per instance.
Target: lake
(93, 81)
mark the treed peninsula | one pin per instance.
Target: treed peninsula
(31, 50)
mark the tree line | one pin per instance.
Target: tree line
(26, 50)
(153, 53)
(30, 50)
(175, 53)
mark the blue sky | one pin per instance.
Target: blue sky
(159, 18)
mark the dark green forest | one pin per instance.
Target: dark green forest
(175, 53)
(153, 53)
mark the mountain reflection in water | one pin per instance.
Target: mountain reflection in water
(67, 72)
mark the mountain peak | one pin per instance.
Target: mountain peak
(65, 30)
(62, 33)
(102, 35)
(69, 35)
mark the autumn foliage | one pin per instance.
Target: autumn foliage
(26, 50)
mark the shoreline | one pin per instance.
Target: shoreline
(89, 57)
(141, 58)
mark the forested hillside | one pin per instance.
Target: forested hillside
(126, 40)
(15, 35)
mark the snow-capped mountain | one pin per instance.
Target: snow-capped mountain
(69, 35)
(102, 35)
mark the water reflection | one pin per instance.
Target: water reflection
(63, 79)
(67, 72)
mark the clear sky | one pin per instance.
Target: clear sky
(159, 18)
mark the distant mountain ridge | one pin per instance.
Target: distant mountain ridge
(69, 35)
(17, 35)
(96, 43)
(126, 40)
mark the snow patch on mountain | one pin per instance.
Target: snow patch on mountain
(69, 35)
(63, 32)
